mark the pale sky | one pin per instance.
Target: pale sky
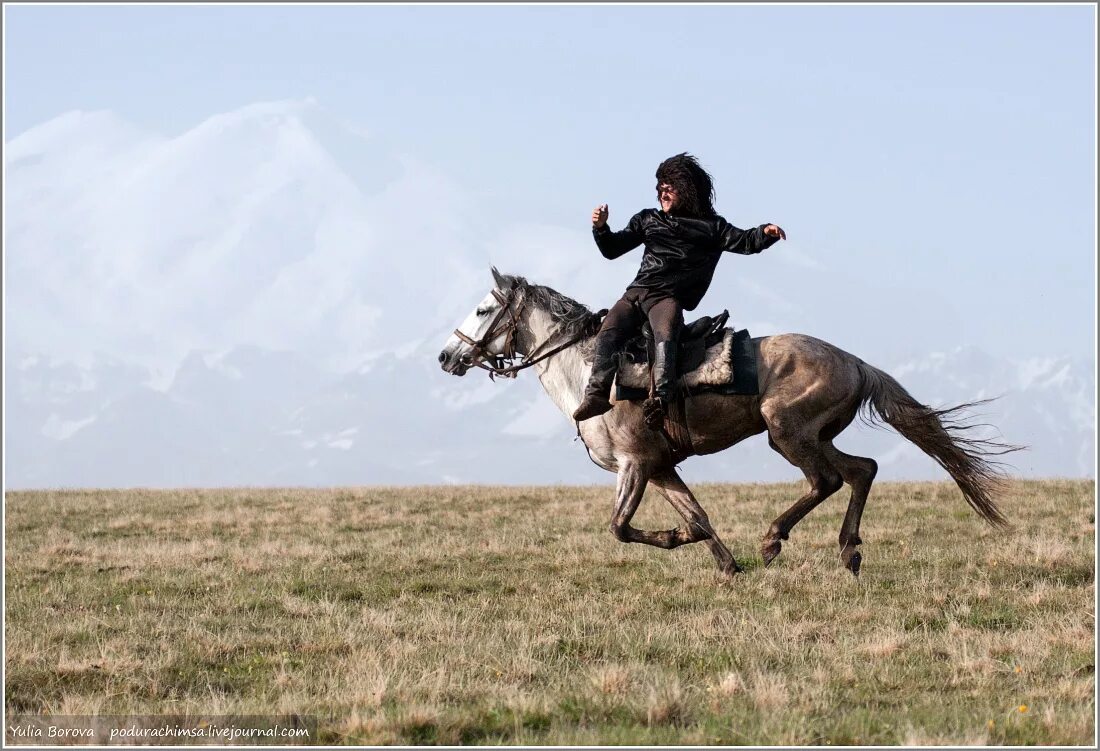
(938, 162)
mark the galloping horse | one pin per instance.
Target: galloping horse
(809, 391)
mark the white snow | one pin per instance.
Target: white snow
(60, 430)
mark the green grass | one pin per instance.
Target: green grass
(511, 615)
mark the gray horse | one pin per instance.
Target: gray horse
(809, 391)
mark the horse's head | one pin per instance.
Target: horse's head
(488, 333)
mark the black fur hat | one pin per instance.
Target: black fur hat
(692, 182)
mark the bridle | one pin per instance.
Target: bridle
(507, 323)
(502, 362)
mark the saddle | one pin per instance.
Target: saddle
(695, 339)
(711, 358)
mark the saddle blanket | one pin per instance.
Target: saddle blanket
(728, 368)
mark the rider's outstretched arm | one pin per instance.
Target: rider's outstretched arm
(615, 244)
(746, 242)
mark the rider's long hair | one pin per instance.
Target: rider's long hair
(691, 181)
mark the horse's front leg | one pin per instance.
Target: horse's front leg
(630, 488)
(698, 523)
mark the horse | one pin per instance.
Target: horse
(808, 392)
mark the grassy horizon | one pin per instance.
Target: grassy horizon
(509, 614)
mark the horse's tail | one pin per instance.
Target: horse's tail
(942, 434)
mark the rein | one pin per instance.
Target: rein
(502, 363)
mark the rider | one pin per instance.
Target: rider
(683, 243)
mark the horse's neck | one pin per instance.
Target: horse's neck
(563, 375)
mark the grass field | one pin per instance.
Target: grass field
(511, 615)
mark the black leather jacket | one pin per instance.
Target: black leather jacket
(681, 252)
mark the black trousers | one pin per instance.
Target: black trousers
(625, 318)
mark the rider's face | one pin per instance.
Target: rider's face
(668, 197)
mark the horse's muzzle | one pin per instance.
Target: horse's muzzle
(453, 365)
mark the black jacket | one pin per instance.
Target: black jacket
(681, 253)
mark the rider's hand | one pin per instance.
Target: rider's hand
(599, 216)
(770, 230)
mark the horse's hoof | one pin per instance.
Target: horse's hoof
(770, 550)
(851, 559)
(730, 569)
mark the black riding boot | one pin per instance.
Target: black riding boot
(664, 383)
(604, 365)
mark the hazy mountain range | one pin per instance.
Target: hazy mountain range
(260, 301)
(256, 417)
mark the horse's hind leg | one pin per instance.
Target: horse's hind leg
(698, 524)
(859, 472)
(807, 453)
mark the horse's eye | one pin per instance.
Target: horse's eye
(482, 312)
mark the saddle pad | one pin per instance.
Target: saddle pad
(729, 368)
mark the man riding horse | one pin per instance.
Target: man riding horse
(809, 391)
(683, 241)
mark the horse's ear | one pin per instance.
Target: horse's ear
(503, 283)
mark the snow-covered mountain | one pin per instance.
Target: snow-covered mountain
(261, 299)
(258, 417)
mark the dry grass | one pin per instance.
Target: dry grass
(510, 615)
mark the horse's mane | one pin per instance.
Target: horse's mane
(571, 316)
